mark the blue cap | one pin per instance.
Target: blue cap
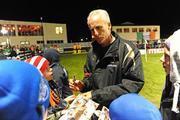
(133, 107)
(24, 94)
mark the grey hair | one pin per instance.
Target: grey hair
(103, 13)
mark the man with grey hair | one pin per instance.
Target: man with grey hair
(113, 65)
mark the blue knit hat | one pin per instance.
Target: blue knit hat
(24, 94)
(133, 107)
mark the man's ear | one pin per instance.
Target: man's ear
(110, 26)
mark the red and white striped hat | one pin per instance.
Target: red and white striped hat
(39, 62)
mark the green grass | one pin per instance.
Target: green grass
(74, 64)
(153, 73)
(154, 78)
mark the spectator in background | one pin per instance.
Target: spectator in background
(2, 56)
(159, 43)
(170, 99)
(133, 107)
(113, 65)
(24, 93)
(137, 44)
(13, 53)
(79, 48)
(74, 48)
(155, 44)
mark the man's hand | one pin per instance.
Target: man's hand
(87, 95)
(70, 99)
(76, 85)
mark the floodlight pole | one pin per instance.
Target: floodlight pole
(42, 32)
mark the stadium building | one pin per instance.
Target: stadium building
(138, 32)
(32, 33)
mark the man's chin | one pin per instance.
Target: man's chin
(100, 42)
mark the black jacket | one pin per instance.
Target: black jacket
(167, 101)
(113, 71)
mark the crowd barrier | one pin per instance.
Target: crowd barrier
(152, 51)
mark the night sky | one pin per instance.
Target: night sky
(74, 13)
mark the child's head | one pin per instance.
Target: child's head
(42, 64)
(24, 94)
(133, 107)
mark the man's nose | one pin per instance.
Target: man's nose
(95, 32)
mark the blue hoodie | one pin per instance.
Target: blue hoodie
(24, 94)
(133, 107)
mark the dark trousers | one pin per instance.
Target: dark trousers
(167, 114)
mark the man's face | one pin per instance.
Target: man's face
(100, 30)
(165, 59)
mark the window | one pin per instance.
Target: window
(134, 29)
(8, 29)
(30, 30)
(24, 42)
(40, 42)
(54, 41)
(154, 29)
(119, 30)
(59, 30)
(126, 30)
(141, 29)
(148, 29)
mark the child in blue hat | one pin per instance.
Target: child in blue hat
(133, 107)
(24, 94)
